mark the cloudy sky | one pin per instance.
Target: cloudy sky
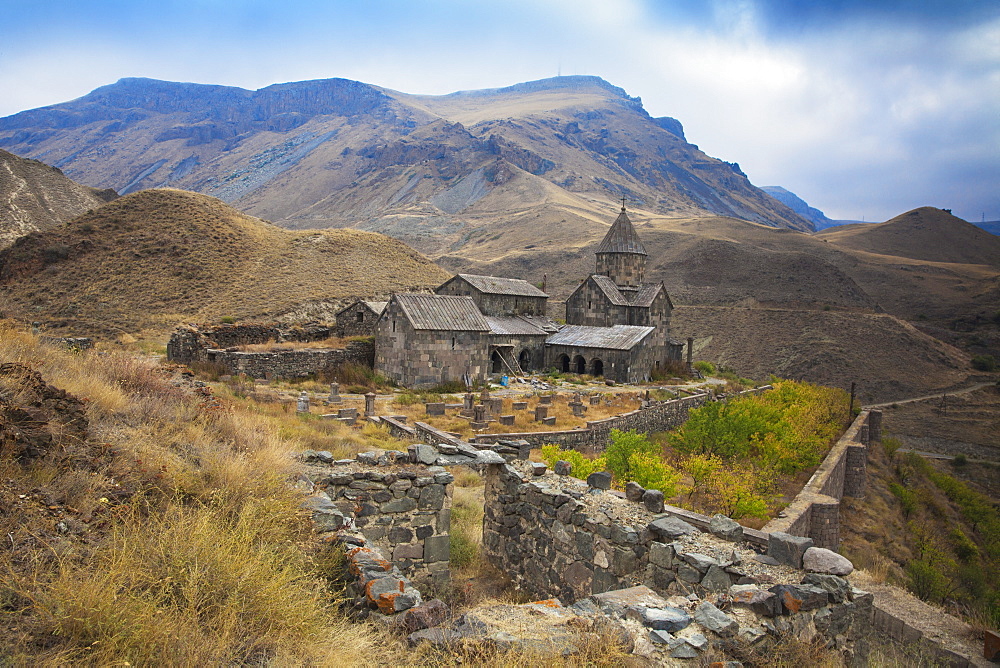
(864, 108)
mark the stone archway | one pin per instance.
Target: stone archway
(524, 360)
(597, 367)
(563, 363)
(579, 364)
(496, 363)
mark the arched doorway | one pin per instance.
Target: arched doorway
(524, 360)
(580, 364)
(564, 363)
(497, 363)
(597, 367)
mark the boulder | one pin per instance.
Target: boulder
(788, 549)
(827, 562)
(653, 500)
(715, 620)
(665, 619)
(600, 480)
(671, 527)
(634, 491)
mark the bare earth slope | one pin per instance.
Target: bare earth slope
(34, 196)
(430, 170)
(152, 259)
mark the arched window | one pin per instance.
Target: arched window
(524, 359)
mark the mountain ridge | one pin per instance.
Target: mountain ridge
(340, 153)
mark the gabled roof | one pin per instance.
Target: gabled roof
(619, 337)
(513, 326)
(647, 293)
(376, 307)
(621, 238)
(445, 312)
(494, 285)
(610, 290)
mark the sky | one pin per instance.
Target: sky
(864, 108)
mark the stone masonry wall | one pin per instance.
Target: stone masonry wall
(402, 508)
(292, 363)
(556, 536)
(815, 511)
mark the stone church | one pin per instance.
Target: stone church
(617, 325)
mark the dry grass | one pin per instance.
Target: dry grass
(149, 260)
(181, 539)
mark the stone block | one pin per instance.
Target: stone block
(726, 528)
(653, 500)
(799, 598)
(408, 551)
(668, 619)
(563, 468)
(838, 588)
(671, 527)
(787, 549)
(600, 480)
(437, 548)
(436, 408)
(519, 405)
(634, 491)
(430, 614)
(716, 579)
(507, 420)
(661, 554)
(538, 468)
(715, 620)
(403, 505)
(549, 421)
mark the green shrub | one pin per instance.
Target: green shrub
(705, 367)
(890, 445)
(984, 363)
(964, 547)
(959, 461)
(906, 497)
(650, 471)
(227, 320)
(619, 453)
(580, 465)
(926, 580)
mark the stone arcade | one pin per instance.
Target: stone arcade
(617, 325)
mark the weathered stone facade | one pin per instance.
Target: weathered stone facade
(360, 318)
(416, 351)
(497, 296)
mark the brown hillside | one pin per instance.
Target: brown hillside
(887, 358)
(35, 196)
(922, 234)
(154, 258)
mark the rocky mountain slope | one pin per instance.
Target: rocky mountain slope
(430, 170)
(799, 206)
(152, 259)
(35, 196)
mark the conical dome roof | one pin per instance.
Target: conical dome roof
(622, 237)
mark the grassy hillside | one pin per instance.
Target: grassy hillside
(35, 196)
(152, 259)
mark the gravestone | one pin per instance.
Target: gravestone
(334, 394)
(507, 420)
(435, 408)
(302, 405)
(519, 405)
(370, 404)
(479, 413)
(541, 412)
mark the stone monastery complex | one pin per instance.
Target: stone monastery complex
(617, 325)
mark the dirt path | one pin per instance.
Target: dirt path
(965, 390)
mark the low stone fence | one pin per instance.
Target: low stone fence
(815, 511)
(659, 416)
(291, 363)
(555, 535)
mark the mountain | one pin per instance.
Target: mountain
(149, 260)
(35, 196)
(923, 234)
(799, 206)
(434, 171)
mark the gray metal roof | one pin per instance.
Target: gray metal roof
(513, 326)
(619, 337)
(494, 285)
(647, 293)
(542, 322)
(610, 290)
(621, 238)
(445, 312)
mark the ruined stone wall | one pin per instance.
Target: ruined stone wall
(815, 510)
(191, 343)
(403, 509)
(557, 537)
(291, 363)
